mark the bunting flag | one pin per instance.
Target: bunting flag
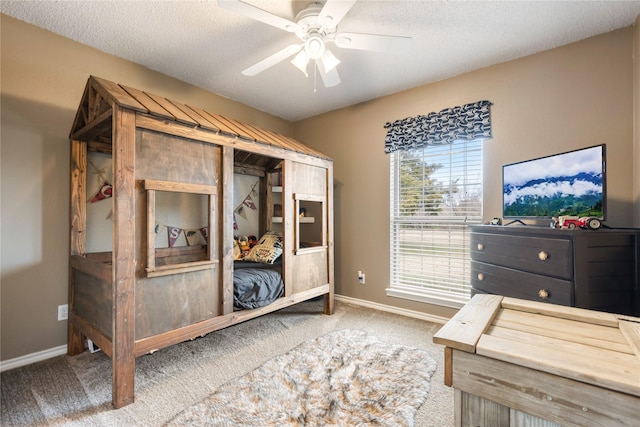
(195, 237)
(249, 203)
(240, 211)
(173, 233)
(104, 192)
(106, 189)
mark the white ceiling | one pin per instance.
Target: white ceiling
(202, 44)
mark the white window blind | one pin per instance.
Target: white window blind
(435, 192)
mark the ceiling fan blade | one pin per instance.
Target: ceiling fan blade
(272, 60)
(330, 78)
(333, 12)
(258, 14)
(375, 42)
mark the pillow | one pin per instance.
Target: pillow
(268, 249)
(271, 238)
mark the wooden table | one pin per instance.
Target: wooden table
(523, 363)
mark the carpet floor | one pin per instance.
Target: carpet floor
(76, 391)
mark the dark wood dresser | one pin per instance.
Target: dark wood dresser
(597, 270)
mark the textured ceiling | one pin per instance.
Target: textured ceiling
(204, 45)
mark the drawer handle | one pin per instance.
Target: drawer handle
(480, 276)
(543, 294)
(480, 246)
(543, 255)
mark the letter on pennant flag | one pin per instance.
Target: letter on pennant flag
(105, 192)
(174, 233)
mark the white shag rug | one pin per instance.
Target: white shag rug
(345, 378)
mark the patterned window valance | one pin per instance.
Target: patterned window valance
(467, 122)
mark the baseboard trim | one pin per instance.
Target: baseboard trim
(391, 309)
(28, 359)
(39, 356)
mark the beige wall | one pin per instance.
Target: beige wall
(567, 98)
(43, 77)
(559, 100)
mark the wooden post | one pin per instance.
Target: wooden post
(225, 225)
(78, 224)
(448, 366)
(288, 224)
(329, 298)
(124, 262)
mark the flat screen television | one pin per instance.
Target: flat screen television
(571, 183)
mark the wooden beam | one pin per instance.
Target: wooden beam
(466, 327)
(117, 94)
(99, 270)
(563, 312)
(78, 237)
(448, 366)
(99, 147)
(124, 262)
(153, 184)
(92, 333)
(149, 103)
(185, 267)
(179, 115)
(166, 339)
(204, 135)
(329, 306)
(100, 125)
(225, 225)
(288, 228)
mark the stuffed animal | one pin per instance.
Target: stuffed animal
(244, 243)
(237, 252)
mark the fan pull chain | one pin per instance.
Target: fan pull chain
(315, 77)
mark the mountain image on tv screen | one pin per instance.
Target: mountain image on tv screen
(564, 184)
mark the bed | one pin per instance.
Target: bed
(141, 296)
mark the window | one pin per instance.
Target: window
(186, 211)
(310, 236)
(436, 191)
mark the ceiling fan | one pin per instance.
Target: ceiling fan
(316, 26)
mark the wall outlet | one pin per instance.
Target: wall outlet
(361, 277)
(63, 312)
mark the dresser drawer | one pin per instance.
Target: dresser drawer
(547, 256)
(491, 279)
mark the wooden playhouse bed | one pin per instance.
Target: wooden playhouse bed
(138, 298)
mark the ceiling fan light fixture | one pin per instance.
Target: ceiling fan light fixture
(314, 46)
(301, 61)
(329, 61)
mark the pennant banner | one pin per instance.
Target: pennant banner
(248, 202)
(196, 236)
